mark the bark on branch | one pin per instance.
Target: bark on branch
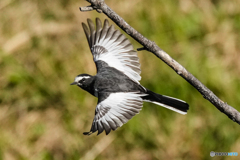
(151, 46)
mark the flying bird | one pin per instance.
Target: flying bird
(116, 84)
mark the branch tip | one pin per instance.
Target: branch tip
(85, 9)
(141, 49)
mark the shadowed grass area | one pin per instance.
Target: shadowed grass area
(43, 48)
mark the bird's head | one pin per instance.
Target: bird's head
(82, 80)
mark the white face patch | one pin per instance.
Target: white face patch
(77, 79)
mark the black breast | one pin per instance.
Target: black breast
(109, 79)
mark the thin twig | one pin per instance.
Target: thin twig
(90, 8)
(231, 112)
(141, 49)
(87, 8)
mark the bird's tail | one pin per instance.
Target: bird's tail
(174, 104)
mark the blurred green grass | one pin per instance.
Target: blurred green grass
(43, 47)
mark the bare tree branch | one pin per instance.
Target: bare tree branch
(151, 46)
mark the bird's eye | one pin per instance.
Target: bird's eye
(82, 80)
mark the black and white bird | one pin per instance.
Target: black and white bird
(116, 84)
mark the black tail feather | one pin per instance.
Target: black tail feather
(174, 104)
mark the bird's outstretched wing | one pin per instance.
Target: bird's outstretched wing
(110, 46)
(115, 110)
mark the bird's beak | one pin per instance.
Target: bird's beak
(74, 83)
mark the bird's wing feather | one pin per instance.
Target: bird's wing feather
(115, 110)
(109, 45)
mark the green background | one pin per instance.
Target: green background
(43, 48)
